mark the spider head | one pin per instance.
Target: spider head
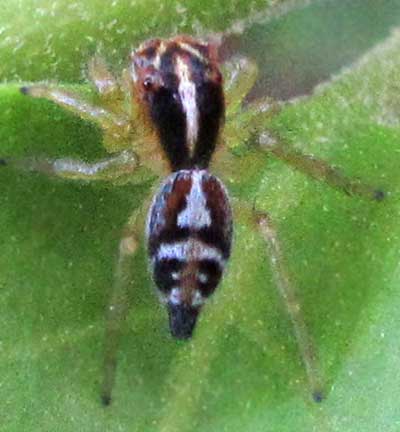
(178, 85)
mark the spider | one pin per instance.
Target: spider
(165, 118)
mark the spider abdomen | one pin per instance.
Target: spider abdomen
(189, 231)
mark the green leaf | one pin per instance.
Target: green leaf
(242, 370)
(54, 40)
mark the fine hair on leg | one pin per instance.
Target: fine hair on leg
(293, 307)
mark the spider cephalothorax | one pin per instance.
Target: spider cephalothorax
(178, 84)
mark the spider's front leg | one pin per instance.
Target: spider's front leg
(240, 75)
(109, 112)
(107, 86)
(114, 126)
(118, 306)
(110, 115)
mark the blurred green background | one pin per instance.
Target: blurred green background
(242, 370)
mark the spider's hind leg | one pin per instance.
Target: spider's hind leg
(290, 299)
(118, 305)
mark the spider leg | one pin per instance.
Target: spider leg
(321, 170)
(291, 302)
(116, 127)
(240, 76)
(117, 168)
(102, 78)
(118, 306)
(109, 89)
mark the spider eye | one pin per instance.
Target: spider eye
(148, 83)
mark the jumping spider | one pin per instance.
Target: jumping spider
(165, 117)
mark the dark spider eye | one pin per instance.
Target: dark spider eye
(148, 83)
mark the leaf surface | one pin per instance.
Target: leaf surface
(242, 370)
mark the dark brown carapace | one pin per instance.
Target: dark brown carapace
(178, 85)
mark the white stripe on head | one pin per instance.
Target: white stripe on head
(195, 215)
(160, 52)
(192, 50)
(187, 93)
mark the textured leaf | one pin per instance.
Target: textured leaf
(242, 371)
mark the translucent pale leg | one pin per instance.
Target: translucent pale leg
(119, 302)
(321, 170)
(240, 75)
(107, 86)
(292, 304)
(116, 127)
(307, 164)
(101, 77)
(118, 167)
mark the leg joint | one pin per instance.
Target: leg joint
(128, 245)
